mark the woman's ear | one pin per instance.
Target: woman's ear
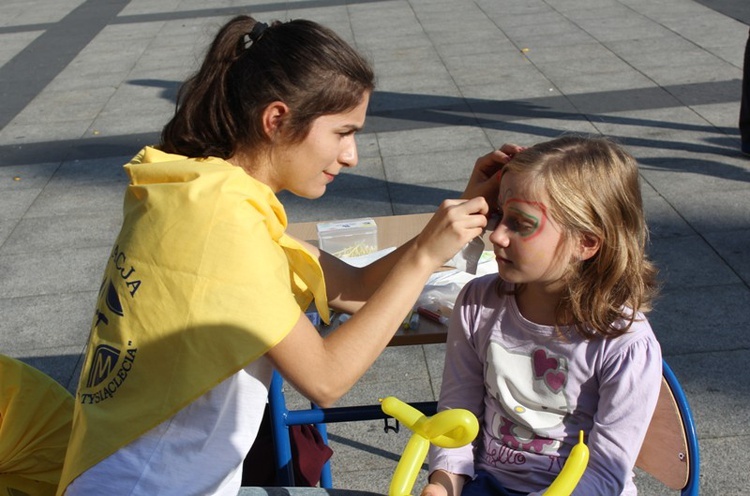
(273, 117)
(589, 246)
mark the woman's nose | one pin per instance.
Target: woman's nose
(348, 156)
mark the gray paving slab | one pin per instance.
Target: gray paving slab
(734, 247)
(15, 202)
(26, 328)
(85, 84)
(688, 261)
(41, 273)
(707, 318)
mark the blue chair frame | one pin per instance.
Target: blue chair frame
(282, 418)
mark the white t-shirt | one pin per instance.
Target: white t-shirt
(210, 438)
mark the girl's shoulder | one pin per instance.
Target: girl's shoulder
(483, 299)
(640, 329)
(488, 286)
(638, 340)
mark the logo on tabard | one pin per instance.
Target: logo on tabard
(104, 363)
(113, 301)
(110, 367)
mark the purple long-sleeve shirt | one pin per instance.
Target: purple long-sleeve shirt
(533, 390)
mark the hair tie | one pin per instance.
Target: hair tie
(256, 33)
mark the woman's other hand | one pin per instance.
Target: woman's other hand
(484, 181)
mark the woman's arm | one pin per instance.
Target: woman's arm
(324, 369)
(349, 287)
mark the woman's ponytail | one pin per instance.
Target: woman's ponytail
(204, 124)
(250, 65)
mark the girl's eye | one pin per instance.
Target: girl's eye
(524, 228)
(518, 225)
(493, 219)
(520, 222)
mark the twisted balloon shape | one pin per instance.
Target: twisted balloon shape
(447, 429)
(453, 429)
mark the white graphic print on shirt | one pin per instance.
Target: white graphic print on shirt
(530, 391)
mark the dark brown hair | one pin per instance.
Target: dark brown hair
(301, 63)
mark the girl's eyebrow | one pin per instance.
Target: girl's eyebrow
(524, 214)
(535, 204)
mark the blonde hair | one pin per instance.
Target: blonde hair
(593, 188)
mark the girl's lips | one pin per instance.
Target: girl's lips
(502, 260)
(329, 176)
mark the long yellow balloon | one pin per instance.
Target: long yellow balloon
(447, 429)
(571, 473)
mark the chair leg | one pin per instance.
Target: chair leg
(280, 429)
(326, 479)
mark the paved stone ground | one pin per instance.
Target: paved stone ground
(84, 84)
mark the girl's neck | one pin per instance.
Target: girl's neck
(538, 305)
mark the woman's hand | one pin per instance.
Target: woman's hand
(483, 181)
(455, 223)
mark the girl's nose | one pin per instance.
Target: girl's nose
(500, 236)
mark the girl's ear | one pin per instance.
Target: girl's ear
(273, 117)
(589, 246)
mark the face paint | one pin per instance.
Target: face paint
(526, 225)
(527, 241)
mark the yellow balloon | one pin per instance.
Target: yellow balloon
(447, 429)
(571, 473)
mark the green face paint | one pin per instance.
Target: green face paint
(527, 226)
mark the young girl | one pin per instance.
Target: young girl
(204, 292)
(557, 343)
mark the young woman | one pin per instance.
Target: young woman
(557, 343)
(204, 293)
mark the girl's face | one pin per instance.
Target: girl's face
(529, 246)
(306, 168)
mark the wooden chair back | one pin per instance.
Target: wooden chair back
(665, 454)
